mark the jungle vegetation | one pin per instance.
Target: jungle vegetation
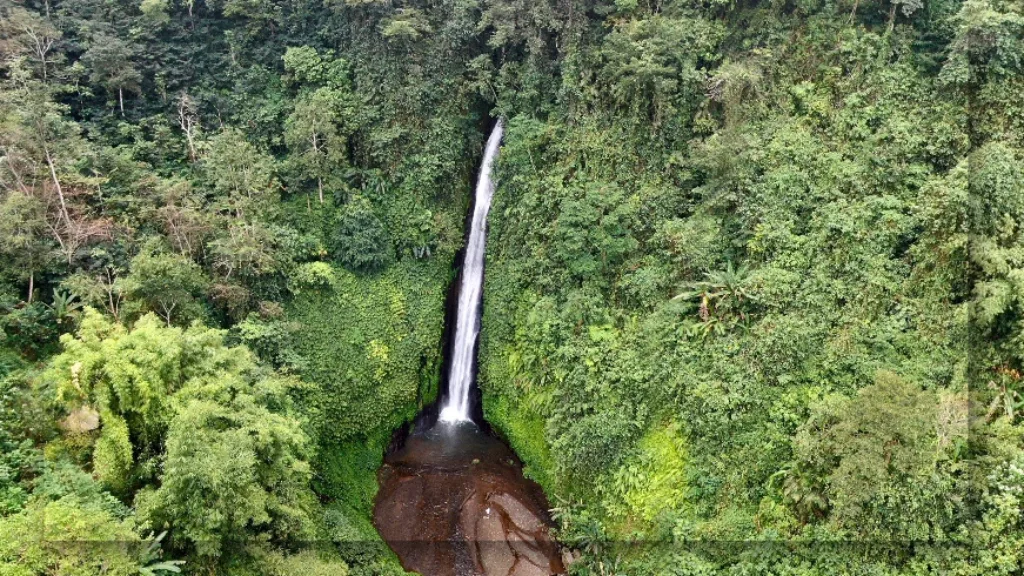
(754, 301)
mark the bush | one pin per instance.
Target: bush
(593, 444)
(29, 329)
(90, 541)
(360, 240)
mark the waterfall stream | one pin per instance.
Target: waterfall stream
(452, 499)
(467, 326)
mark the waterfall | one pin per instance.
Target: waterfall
(467, 325)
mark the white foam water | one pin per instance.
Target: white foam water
(467, 325)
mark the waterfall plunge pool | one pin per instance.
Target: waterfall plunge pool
(453, 502)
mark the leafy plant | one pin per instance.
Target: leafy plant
(723, 294)
(151, 558)
(65, 306)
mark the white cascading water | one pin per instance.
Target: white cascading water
(467, 325)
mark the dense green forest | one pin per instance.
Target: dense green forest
(754, 298)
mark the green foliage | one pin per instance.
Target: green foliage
(153, 564)
(306, 65)
(67, 537)
(317, 562)
(652, 65)
(69, 526)
(360, 240)
(23, 227)
(408, 23)
(30, 329)
(109, 61)
(273, 341)
(347, 521)
(59, 479)
(242, 176)
(369, 347)
(368, 344)
(20, 461)
(753, 222)
(210, 437)
(315, 275)
(204, 162)
(323, 118)
(875, 453)
(132, 375)
(233, 470)
(167, 284)
(592, 444)
(65, 306)
(722, 295)
(112, 455)
(987, 43)
(999, 532)
(526, 435)
(651, 482)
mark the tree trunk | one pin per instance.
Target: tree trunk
(320, 187)
(113, 305)
(191, 145)
(31, 285)
(120, 100)
(60, 195)
(167, 311)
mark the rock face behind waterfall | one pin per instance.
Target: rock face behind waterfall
(453, 502)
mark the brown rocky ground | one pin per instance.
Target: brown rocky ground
(453, 502)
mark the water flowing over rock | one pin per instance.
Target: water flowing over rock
(467, 326)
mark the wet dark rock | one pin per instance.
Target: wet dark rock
(453, 502)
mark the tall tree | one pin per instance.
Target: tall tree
(314, 136)
(242, 175)
(24, 34)
(317, 130)
(233, 456)
(42, 151)
(109, 61)
(26, 247)
(166, 283)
